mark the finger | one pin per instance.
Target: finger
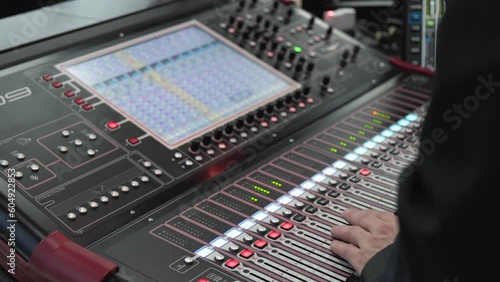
(348, 252)
(363, 218)
(350, 234)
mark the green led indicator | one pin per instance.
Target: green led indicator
(369, 126)
(377, 121)
(334, 150)
(352, 138)
(344, 144)
(361, 132)
(262, 190)
(253, 199)
(276, 183)
(297, 49)
(382, 115)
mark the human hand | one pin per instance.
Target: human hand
(370, 232)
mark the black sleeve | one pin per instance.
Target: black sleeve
(446, 204)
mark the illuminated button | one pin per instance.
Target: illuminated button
(301, 104)
(210, 152)
(104, 199)
(112, 125)
(219, 257)
(133, 141)
(189, 163)
(203, 280)
(274, 235)
(310, 100)
(135, 184)
(260, 244)
(275, 119)
(82, 210)
(144, 179)
(246, 254)
(234, 248)
(71, 215)
(232, 263)
(125, 189)
(92, 136)
(63, 149)
(248, 239)
(188, 261)
(365, 172)
(18, 175)
(79, 101)
(48, 77)
(157, 172)
(274, 221)
(78, 143)
(292, 109)
(222, 146)
(114, 194)
(264, 124)
(198, 158)
(287, 226)
(93, 205)
(57, 84)
(69, 94)
(147, 164)
(20, 156)
(91, 153)
(261, 229)
(4, 163)
(35, 168)
(87, 107)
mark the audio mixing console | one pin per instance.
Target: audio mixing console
(216, 146)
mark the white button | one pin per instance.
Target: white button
(210, 152)
(19, 175)
(299, 205)
(114, 194)
(147, 164)
(188, 261)
(144, 179)
(91, 153)
(198, 158)
(244, 134)
(78, 143)
(233, 140)
(262, 229)
(63, 149)
(274, 221)
(20, 156)
(65, 133)
(287, 213)
(189, 163)
(234, 248)
(157, 172)
(248, 239)
(178, 155)
(125, 188)
(135, 183)
(82, 210)
(92, 136)
(104, 199)
(93, 204)
(4, 163)
(219, 257)
(71, 215)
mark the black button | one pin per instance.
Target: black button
(403, 146)
(299, 217)
(386, 158)
(334, 194)
(412, 140)
(395, 152)
(376, 164)
(322, 201)
(355, 179)
(311, 209)
(344, 186)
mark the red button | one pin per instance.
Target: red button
(261, 244)
(222, 146)
(133, 141)
(87, 107)
(79, 101)
(69, 94)
(270, 54)
(232, 263)
(310, 100)
(275, 119)
(203, 280)
(292, 109)
(57, 84)
(264, 124)
(365, 172)
(112, 125)
(287, 226)
(302, 105)
(274, 235)
(48, 77)
(246, 253)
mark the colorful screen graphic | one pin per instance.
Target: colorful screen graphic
(179, 83)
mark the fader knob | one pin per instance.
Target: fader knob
(270, 109)
(206, 141)
(260, 114)
(195, 147)
(311, 22)
(240, 124)
(229, 130)
(218, 135)
(329, 32)
(250, 119)
(326, 80)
